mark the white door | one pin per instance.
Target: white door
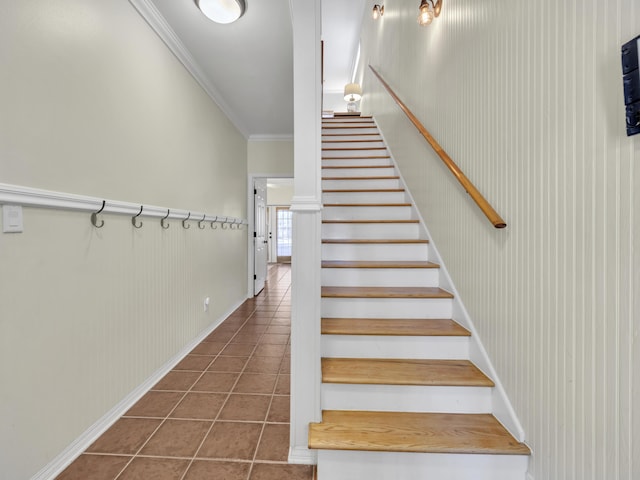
(259, 234)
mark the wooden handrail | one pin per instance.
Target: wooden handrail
(477, 197)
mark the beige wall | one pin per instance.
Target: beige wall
(270, 157)
(279, 194)
(94, 103)
(527, 98)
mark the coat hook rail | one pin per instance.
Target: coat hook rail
(94, 216)
(135, 217)
(164, 219)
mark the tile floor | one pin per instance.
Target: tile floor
(222, 413)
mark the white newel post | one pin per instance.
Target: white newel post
(306, 206)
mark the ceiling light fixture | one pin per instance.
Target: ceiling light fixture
(222, 11)
(378, 11)
(428, 11)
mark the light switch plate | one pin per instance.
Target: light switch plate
(12, 219)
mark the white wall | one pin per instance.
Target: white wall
(94, 103)
(279, 194)
(527, 98)
(270, 157)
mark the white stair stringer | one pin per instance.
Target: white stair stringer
(367, 220)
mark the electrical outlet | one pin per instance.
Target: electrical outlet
(12, 219)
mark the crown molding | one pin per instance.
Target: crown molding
(159, 24)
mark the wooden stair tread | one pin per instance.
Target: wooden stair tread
(352, 148)
(357, 166)
(413, 432)
(349, 134)
(384, 177)
(395, 371)
(377, 264)
(360, 157)
(340, 127)
(367, 204)
(337, 190)
(393, 327)
(359, 140)
(370, 221)
(373, 241)
(385, 292)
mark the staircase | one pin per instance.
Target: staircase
(400, 398)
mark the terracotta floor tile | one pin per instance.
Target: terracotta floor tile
(220, 336)
(272, 338)
(269, 350)
(235, 440)
(251, 338)
(239, 349)
(216, 470)
(228, 364)
(274, 444)
(259, 320)
(279, 329)
(269, 471)
(283, 384)
(144, 468)
(246, 407)
(155, 404)
(95, 467)
(202, 406)
(255, 383)
(280, 408)
(209, 348)
(216, 382)
(253, 329)
(197, 363)
(281, 321)
(176, 438)
(177, 380)
(263, 364)
(285, 367)
(126, 436)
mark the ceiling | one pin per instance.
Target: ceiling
(247, 66)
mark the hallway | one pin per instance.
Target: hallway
(222, 413)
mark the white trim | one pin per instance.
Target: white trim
(271, 138)
(502, 408)
(306, 204)
(159, 24)
(80, 444)
(33, 197)
(302, 456)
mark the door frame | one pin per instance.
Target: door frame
(251, 219)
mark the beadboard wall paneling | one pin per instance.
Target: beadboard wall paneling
(527, 99)
(94, 103)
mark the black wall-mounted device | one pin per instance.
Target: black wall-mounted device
(631, 83)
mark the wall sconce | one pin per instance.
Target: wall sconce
(378, 11)
(222, 11)
(352, 94)
(429, 11)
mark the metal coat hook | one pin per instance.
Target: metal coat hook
(200, 226)
(184, 222)
(133, 219)
(236, 223)
(224, 223)
(162, 224)
(94, 216)
(213, 223)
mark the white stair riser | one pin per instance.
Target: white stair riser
(328, 137)
(354, 465)
(380, 277)
(349, 184)
(356, 162)
(354, 153)
(358, 172)
(346, 129)
(363, 197)
(377, 251)
(341, 143)
(386, 307)
(377, 346)
(367, 213)
(370, 230)
(405, 398)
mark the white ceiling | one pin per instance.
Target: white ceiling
(247, 66)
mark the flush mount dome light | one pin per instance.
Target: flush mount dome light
(222, 11)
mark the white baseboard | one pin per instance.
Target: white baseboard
(80, 444)
(302, 456)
